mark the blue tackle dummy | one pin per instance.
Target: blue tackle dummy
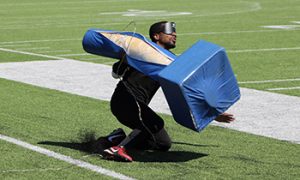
(199, 84)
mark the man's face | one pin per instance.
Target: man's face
(167, 41)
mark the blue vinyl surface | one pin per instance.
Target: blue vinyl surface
(95, 42)
(199, 85)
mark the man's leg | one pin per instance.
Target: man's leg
(138, 140)
(162, 141)
(148, 128)
(132, 113)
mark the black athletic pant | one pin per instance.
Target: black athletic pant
(151, 133)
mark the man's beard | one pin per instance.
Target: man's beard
(170, 45)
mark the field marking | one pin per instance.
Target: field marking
(38, 41)
(253, 6)
(30, 170)
(236, 32)
(146, 13)
(55, 51)
(14, 45)
(263, 50)
(269, 81)
(41, 26)
(64, 158)
(42, 55)
(69, 2)
(258, 112)
(179, 34)
(288, 27)
(229, 51)
(80, 54)
(259, 50)
(284, 26)
(32, 54)
(281, 89)
(32, 48)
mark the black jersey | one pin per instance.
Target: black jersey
(141, 86)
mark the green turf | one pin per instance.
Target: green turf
(12, 57)
(20, 163)
(55, 28)
(37, 115)
(59, 27)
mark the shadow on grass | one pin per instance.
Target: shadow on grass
(169, 156)
(90, 145)
(139, 156)
(196, 145)
(86, 142)
(85, 147)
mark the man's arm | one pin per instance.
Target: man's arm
(225, 118)
(119, 68)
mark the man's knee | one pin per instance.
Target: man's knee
(164, 146)
(163, 140)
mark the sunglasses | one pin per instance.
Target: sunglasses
(170, 27)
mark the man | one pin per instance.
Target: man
(129, 104)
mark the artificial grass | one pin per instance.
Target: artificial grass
(19, 163)
(37, 115)
(58, 26)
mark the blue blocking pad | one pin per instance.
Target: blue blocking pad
(199, 85)
(141, 54)
(95, 43)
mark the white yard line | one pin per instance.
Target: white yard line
(263, 50)
(252, 6)
(69, 2)
(286, 27)
(61, 25)
(269, 81)
(32, 48)
(38, 41)
(14, 45)
(64, 158)
(146, 13)
(70, 55)
(56, 51)
(31, 54)
(179, 34)
(285, 88)
(234, 32)
(85, 54)
(30, 170)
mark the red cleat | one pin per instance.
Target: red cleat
(105, 142)
(117, 153)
